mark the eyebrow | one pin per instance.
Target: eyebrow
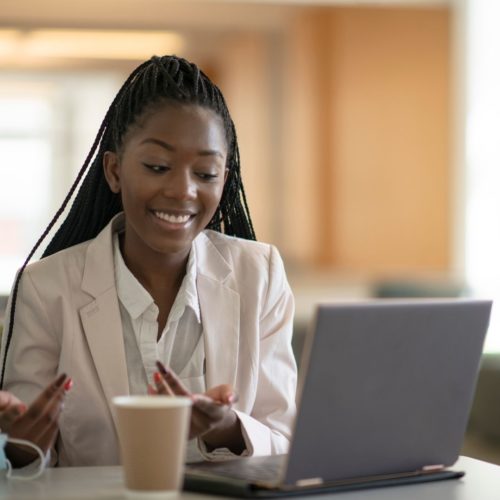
(169, 147)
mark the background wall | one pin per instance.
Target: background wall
(342, 114)
(368, 134)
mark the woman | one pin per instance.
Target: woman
(155, 261)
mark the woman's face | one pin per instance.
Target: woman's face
(170, 174)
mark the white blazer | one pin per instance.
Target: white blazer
(68, 320)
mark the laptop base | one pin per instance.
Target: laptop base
(242, 489)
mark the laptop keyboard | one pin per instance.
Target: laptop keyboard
(252, 469)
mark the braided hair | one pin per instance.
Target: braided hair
(166, 78)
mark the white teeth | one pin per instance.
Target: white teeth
(176, 219)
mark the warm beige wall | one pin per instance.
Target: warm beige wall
(306, 172)
(369, 101)
(343, 120)
(391, 140)
(245, 81)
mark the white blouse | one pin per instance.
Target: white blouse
(180, 346)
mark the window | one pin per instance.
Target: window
(25, 177)
(482, 245)
(47, 125)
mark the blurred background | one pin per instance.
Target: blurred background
(368, 133)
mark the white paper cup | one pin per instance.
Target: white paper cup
(153, 432)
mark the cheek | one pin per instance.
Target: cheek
(212, 198)
(134, 189)
(133, 201)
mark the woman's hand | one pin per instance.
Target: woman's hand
(38, 423)
(211, 416)
(10, 409)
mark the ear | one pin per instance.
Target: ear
(111, 165)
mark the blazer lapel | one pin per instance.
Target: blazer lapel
(220, 312)
(101, 318)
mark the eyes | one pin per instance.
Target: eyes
(201, 172)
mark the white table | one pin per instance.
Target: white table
(481, 482)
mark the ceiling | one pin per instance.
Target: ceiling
(170, 14)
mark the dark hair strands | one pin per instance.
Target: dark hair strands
(166, 78)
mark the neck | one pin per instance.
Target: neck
(158, 272)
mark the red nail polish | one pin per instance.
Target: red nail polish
(157, 377)
(68, 384)
(162, 368)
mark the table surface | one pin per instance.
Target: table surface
(481, 482)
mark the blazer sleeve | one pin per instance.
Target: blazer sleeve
(267, 430)
(33, 356)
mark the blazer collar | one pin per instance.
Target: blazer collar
(101, 318)
(99, 272)
(211, 260)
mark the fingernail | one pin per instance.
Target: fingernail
(157, 377)
(68, 384)
(61, 379)
(162, 368)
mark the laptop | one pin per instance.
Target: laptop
(384, 395)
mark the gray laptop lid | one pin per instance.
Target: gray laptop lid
(387, 387)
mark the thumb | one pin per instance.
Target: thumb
(152, 391)
(224, 394)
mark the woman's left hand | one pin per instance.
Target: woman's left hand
(211, 416)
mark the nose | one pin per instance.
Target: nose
(179, 185)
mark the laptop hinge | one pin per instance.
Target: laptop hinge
(312, 481)
(432, 468)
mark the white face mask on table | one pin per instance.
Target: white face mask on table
(6, 465)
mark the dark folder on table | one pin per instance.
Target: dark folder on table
(384, 395)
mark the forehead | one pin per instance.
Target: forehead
(181, 125)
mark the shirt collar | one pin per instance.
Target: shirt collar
(134, 297)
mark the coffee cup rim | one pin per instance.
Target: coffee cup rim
(151, 401)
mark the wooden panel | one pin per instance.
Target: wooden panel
(305, 211)
(245, 82)
(391, 140)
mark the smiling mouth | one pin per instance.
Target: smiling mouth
(172, 218)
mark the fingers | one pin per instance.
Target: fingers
(39, 423)
(48, 435)
(10, 415)
(172, 380)
(48, 399)
(210, 408)
(223, 394)
(162, 387)
(7, 400)
(206, 414)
